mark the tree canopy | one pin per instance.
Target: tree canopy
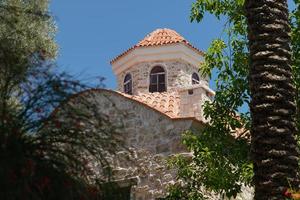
(45, 156)
(221, 161)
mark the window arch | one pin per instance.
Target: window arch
(128, 84)
(157, 79)
(195, 78)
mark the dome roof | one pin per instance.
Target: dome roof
(160, 37)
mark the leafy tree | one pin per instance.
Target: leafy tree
(42, 154)
(221, 161)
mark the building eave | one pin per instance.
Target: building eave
(101, 90)
(174, 51)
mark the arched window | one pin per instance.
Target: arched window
(128, 84)
(195, 78)
(157, 80)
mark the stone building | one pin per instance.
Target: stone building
(160, 94)
(159, 84)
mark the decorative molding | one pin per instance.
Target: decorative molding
(157, 53)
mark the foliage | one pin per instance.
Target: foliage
(206, 168)
(26, 35)
(221, 160)
(295, 25)
(43, 155)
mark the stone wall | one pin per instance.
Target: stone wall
(150, 137)
(191, 102)
(178, 74)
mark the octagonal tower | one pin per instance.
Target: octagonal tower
(161, 65)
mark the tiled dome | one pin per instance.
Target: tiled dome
(161, 37)
(157, 38)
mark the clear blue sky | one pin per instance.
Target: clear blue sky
(91, 33)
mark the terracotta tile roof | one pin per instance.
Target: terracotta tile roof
(161, 37)
(157, 38)
(166, 102)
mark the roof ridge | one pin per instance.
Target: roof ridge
(159, 37)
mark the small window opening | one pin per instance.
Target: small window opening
(195, 79)
(114, 192)
(157, 80)
(119, 190)
(128, 84)
(190, 92)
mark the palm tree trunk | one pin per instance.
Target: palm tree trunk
(273, 149)
(298, 108)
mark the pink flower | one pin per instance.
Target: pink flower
(287, 193)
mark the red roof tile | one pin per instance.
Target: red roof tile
(160, 37)
(166, 102)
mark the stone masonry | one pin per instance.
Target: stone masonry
(179, 75)
(151, 124)
(151, 138)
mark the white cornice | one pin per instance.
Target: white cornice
(196, 86)
(157, 53)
